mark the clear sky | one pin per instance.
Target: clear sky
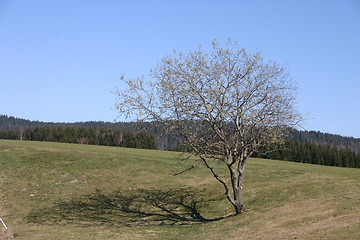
(59, 60)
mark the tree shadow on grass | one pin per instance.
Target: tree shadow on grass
(137, 207)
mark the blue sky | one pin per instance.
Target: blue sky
(59, 60)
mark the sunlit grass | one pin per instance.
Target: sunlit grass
(69, 191)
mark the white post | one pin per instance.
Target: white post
(3, 223)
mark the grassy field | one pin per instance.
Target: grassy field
(68, 191)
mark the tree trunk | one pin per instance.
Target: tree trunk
(236, 182)
(238, 205)
(239, 208)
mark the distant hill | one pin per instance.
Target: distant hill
(170, 142)
(164, 142)
(14, 123)
(327, 140)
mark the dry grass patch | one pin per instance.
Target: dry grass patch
(49, 191)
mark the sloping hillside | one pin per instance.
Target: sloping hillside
(69, 191)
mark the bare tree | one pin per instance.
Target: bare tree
(226, 104)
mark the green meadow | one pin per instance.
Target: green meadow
(70, 191)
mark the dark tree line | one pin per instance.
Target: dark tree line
(316, 137)
(301, 146)
(170, 142)
(292, 150)
(326, 139)
(296, 151)
(82, 135)
(13, 123)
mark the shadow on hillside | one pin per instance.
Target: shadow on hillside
(137, 207)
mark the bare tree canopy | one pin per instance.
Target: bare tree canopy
(226, 104)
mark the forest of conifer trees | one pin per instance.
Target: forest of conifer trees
(296, 151)
(301, 146)
(82, 135)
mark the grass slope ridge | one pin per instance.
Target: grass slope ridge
(69, 191)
